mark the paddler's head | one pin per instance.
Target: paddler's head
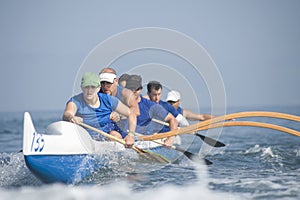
(173, 98)
(109, 81)
(154, 90)
(134, 83)
(90, 85)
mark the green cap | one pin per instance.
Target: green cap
(90, 79)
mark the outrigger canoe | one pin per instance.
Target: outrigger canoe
(66, 152)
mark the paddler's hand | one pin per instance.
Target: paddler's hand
(76, 120)
(169, 141)
(129, 140)
(114, 116)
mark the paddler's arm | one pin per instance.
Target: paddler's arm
(194, 116)
(124, 110)
(173, 124)
(69, 113)
(130, 100)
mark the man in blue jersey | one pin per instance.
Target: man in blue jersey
(148, 110)
(95, 108)
(109, 85)
(173, 98)
(154, 91)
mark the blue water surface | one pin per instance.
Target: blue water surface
(256, 163)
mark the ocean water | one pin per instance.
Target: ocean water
(256, 163)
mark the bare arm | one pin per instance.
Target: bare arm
(173, 124)
(124, 110)
(194, 116)
(69, 113)
(130, 101)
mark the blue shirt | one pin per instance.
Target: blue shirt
(96, 117)
(180, 110)
(119, 92)
(122, 125)
(171, 110)
(149, 110)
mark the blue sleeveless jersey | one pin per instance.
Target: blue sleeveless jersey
(119, 93)
(180, 110)
(171, 110)
(149, 110)
(97, 117)
(122, 125)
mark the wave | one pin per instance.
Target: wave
(121, 190)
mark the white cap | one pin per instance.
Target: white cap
(108, 77)
(173, 96)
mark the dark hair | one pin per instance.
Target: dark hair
(134, 82)
(153, 85)
(124, 77)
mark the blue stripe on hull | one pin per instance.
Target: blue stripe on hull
(61, 168)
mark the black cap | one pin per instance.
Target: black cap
(134, 82)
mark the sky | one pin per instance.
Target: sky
(253, 48)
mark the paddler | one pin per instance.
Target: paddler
(173, 98)
(148, 110)
(109, 85)
(94, 108)
(154, 92)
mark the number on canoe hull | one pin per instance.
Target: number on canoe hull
(38, 142)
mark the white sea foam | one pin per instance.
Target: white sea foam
(254, 149)
(267, 152)
(297, 151)
(120, 190)
(115, 191)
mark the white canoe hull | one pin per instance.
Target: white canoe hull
(65, 153)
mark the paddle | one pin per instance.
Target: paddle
(188, 154)
(146, 154)
(207, 140)
(256, 124)
(207, 124)
(210, 141)
(218, 125)
(192, 156)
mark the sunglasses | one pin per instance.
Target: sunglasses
(135, 90)
(172, 102)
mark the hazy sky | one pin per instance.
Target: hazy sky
(255, 45)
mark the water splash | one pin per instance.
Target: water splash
(297, 151)
(122, 189)
(267, 152)
(14, 172)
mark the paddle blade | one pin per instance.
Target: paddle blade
(210, 141)
(193, 157)
(207, 162)
(151, 156)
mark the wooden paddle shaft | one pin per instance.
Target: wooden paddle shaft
(197, 126)
(147, 154)
(109, 136)
(249, 123)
